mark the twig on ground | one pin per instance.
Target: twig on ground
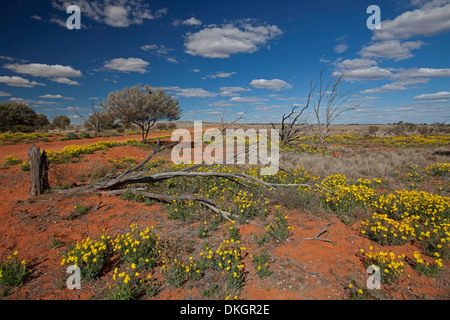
(317, 236)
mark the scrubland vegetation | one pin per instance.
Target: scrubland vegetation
(392, 191)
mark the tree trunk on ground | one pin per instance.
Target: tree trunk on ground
(39, 171)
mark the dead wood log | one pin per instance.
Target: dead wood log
(39, 171)
(169, 199)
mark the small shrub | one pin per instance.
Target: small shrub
(55, 243)
(139, 248)
(373, 130)
(13, 271)
(172, 126)
(261, 263)
(123, 163)
(85, 135)
(280, 230)
(69, 136)
(89, 255)
(425, 268)
(25, 166)
(210, 291)
(12, 160)
(233, 232)
(126, 286)
(97, 169)
(438, 169)
(230, 256)
(261, 240)
(81, 208)
(202, 230)
(388, 264)
(161, 126)
(174, 273)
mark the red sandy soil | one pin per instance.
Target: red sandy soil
(301, 269)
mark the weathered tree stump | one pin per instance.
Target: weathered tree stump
(39, 171)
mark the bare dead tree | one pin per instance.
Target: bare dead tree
(95, 120)
(292, 126)
(331, 101)
(225, 126)
(328, 104)
(438, 126)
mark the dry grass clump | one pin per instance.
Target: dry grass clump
(362, 163)
(97, 169)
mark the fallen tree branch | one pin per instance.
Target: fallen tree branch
(98, 206)
(169, 199)
(140, 175)
(317, 236)
(235, 177)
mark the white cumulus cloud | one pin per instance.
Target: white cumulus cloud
(65, 80)
(355, 63)
(386, 88)
(114, 13)
(54, 96)
(274, 84)
(434, 96)
(422, 73)
(221, 74)
(15, 81)
(43, 70)
(127, 65)
(223, 41)
(372, 73)
(188, 22)
(340, 48)
(391, 49)
(190, 92)
(432, 18)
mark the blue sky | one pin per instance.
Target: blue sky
(229, 57)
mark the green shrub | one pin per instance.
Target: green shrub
(69, 136)
(12, 160)
(13, 271)
(25, 166)
(85, 135)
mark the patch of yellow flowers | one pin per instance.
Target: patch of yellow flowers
(230, 256)
(397, 141)
(13, 272)
(89, 255)
(12, 160)
(387, 231)
(176, 272)
(124, 162)
(72, 151)
(438, 169)
(17, 137)
(424, 267)
(390, 265)
(128, 285)
(347, 196)
(138, 247)
(411, 214)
